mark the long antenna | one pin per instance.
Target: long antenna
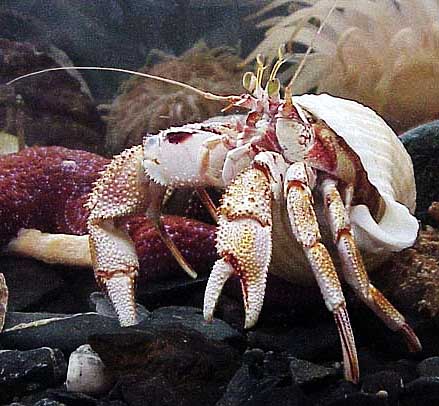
(311, 46)
(207, 95)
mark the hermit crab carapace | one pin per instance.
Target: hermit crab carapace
(273, 163)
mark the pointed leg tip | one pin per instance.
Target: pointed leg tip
(412, 340)
(120, 290)
(352, 373)
(251, 319)
(350, 359)
(208, 315)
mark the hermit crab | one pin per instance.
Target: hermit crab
(302, 176)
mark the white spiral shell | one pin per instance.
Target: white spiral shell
(387, 164)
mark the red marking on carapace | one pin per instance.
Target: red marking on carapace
(252, 118)
(178, 137)
(288, 111)
(324, 157)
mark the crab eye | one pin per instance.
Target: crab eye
(273, 87)
(249, 81)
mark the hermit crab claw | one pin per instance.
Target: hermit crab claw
(120, 290)
(243, 242)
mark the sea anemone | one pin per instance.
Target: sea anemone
(147, 106)
(383, 53)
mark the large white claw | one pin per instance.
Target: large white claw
(246, 249)
(243, 242)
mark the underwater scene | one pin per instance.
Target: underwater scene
(226, 203)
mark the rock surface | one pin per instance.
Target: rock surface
(422, 143)
(27, 371)
(55, 108)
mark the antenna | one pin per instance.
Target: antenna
(207, 95)
(310, 48)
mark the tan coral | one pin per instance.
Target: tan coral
(149, 106)
(382, 53)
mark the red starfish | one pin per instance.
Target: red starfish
(45, 188)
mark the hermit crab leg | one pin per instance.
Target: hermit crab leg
(243, 242)
(298, 183)
(122, 189)
(353, 267)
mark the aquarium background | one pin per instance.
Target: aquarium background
(58, 130)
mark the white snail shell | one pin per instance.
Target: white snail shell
(387, 164)
(86, 372)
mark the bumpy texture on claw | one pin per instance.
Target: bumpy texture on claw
(243, 242)
(46, 188)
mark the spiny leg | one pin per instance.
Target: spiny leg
(243, 242)
(353, 268)
(120, 191)
(298, 183)
(123, 189)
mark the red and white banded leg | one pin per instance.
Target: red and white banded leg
(244, 237)
(353, 268)
(299, 181)
(121, 190)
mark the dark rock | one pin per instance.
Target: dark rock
(359, 399)
(192, 318)
(67, 332)
(263, 379)
(29, 281)
(421, 391)
(281, 396)
(308, 374)
(192, 368)
(308, 343)
(422, 143)
(138, 391)
(388, 381)
(48, 402)
(335, 392)
(429, 367)
(55, 108)
(26, 371)
(405, 368)
(70, 398)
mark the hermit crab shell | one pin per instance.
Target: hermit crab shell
(388, 167)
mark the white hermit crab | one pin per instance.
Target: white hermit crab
(272, 162)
